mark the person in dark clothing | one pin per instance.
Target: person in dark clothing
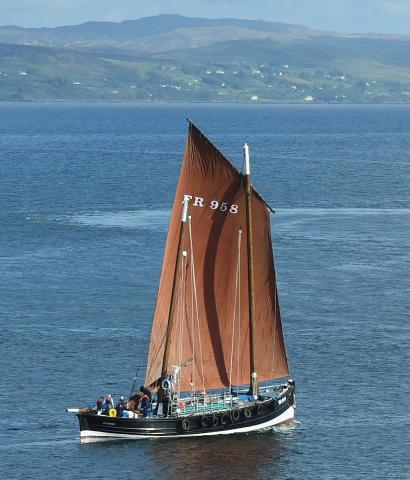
(165, 401)
(120, 407)
(160, 394)
(144, 405)
(146, 391)
(100, 403)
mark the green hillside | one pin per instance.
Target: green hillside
(173, 58)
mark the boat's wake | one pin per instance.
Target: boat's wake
(342, 211)
(286, 427)
(137, 219)
(145, 219)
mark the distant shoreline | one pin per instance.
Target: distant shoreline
(182, 102)
(176, 59)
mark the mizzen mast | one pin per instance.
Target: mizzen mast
(252, 327)
(171, 314)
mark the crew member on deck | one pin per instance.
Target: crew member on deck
(100, 402)
(120, 407)
(160, 396)
(146, 391)
(109, 403)
(144, 404)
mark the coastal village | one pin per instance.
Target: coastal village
(147, 81)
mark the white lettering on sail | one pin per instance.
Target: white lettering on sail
(234, 208)
(199, 202)
(213, 204)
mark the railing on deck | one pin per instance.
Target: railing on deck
(208, 403)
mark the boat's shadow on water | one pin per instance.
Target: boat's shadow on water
(233, 457)
(222, 457)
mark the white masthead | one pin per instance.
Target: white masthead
(246, 160)
(185, 209)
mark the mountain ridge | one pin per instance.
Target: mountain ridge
(176, 58)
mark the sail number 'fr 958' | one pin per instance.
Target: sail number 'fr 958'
(213, 204)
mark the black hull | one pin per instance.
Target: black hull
(255, 416)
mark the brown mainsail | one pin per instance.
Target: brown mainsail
(207, 283)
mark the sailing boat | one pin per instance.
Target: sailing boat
(217, 354)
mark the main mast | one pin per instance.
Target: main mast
(171, 315)
(252, 327)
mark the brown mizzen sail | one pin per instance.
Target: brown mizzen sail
(213, 345)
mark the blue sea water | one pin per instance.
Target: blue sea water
(85, 195)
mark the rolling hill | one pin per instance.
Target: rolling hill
(176, 58)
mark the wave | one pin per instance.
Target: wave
(138, 219)
(347, 211)
(158, 220)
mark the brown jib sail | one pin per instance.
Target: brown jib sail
(205, 285)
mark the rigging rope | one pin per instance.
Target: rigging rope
(196, 302)
(192, 337)
(139, 366)
(237, 302)
(181, 323)
(239, 312)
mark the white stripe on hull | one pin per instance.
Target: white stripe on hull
(284, 417)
